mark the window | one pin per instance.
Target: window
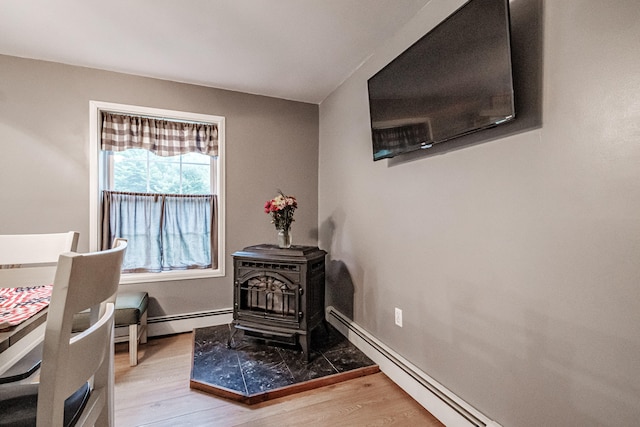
(167, 200)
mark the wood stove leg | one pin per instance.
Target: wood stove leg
(232, 333)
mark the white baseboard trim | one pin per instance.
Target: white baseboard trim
(174, 324)
(451, 410)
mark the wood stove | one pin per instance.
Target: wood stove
(279, 293)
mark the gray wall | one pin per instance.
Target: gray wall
(44, 160)
(515, 260)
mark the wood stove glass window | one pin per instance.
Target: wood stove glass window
(269, 296)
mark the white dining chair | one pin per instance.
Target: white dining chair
(75, 387)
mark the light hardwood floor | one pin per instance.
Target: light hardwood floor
(157, 393)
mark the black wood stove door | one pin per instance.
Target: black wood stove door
(269, 298)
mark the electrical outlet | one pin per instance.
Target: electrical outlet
(398, 317)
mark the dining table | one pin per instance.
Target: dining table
(21, 348)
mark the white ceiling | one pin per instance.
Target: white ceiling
(293, 49)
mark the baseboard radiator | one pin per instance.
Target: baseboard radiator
(433, 396)
(174, 324)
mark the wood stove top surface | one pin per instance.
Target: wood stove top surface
(270, 251)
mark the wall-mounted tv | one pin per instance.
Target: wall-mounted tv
(453, 81)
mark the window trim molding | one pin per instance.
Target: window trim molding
(97, 176)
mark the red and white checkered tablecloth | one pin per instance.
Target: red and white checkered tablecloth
(19, 304)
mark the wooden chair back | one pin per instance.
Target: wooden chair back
(82, 281)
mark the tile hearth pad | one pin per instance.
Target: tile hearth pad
(253, 370)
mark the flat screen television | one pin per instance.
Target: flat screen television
(455, 80)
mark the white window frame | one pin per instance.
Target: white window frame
(99, 175)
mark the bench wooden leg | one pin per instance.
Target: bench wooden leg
(143, 326)
(133, 345)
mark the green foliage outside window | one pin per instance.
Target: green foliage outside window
(141, 171)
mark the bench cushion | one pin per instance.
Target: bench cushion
(129, 309)
(130, 306)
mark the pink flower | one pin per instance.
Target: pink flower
(281, 209)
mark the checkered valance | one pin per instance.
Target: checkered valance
(162, 137)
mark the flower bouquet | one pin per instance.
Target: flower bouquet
(281, 209)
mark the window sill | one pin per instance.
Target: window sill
(169, 276)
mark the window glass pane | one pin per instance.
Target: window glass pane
(196, 179)
(196, 158)
(132, 154)
(164, 177)
(130, 171)
(160, 159)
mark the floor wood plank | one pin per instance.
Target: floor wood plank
(156, 393)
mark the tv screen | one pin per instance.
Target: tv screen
(453, 81)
